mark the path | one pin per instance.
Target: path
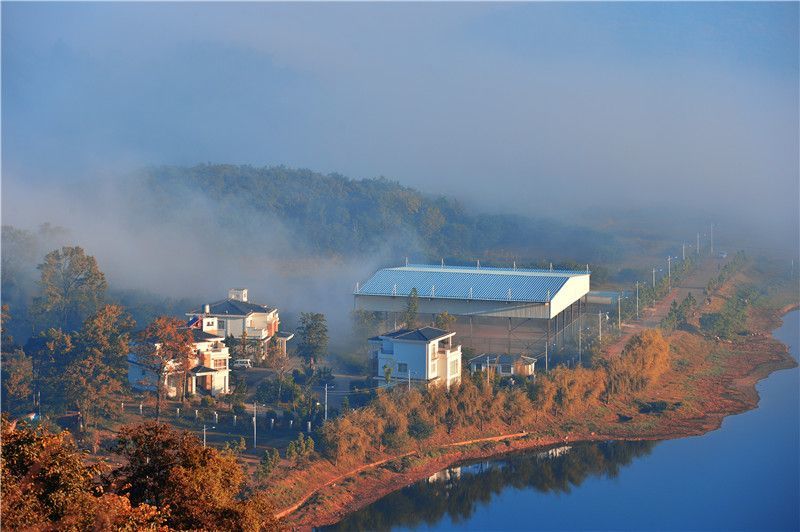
(304, 498)
(652, 316)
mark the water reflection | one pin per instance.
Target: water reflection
(458, 492)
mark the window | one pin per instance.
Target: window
(220, 363)
(402, 367)
(221, 324)
(209, 324)
(505, 368)
(454, 367)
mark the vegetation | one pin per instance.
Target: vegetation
(312, 336)
(730, 320)
(166, 342)
(409, 316)
(679, 314)
(444, 321)
(268, 463)
(331, 214)
(72, 287)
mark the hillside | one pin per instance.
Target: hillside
(332, 214)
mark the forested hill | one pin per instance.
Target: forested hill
(333, 214)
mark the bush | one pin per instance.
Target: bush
(207, 401)
(419, 428)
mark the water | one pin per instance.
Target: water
(743, 476)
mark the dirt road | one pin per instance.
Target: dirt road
(651, 317)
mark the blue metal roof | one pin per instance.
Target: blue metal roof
(483, 284)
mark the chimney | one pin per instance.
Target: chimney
(238, 294)
(207, 309)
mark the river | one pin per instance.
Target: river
(743, 476)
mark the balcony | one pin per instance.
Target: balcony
(448, 350)
(257, 334)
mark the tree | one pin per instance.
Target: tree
(17, 377)
(99, 369)
(72, 287)
(44, 477)
(644, 359)
(166, 348)
(313, 336)
(268, 463)
(366, 323)
(278, 361)
(171, 468)
(444, 321)
(300, 448)
(6, 340)
(387, 373)
(51, 352)
(412, 307)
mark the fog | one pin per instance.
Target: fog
(567, 110)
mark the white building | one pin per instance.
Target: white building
(425, 355)
(238, 317)
(504, 365)
(209, 369)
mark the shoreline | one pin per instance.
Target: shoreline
(738, 393)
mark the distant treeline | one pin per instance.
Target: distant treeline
(333, 214)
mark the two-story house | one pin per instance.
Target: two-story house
(425, 355)
(243, 320)
(209, 368)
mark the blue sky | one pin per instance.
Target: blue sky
(547, 107)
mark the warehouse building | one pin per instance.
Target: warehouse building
(497, 309)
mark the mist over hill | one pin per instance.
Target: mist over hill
(334, 215)
(171, 237)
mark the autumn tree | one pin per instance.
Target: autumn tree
(643, 360)
(72, 287)
(17, 380)
(166, 348)
(313, 336)
(47, 486)
(409, 316)
(171, 468)
(98, 370)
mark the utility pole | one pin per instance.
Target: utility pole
(326, 402)
(204, 436)
(619, 311)
(547, 344)
(600, 326)
(683, 251)
(654, 278)
(580, 332)
(254, 425)
(487, 371)
(669, 272)
(712, 238)
(698, 244)
(637, 300)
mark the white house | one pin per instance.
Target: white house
(425, 355)
(238, 317)
(504, 365)
(209, 369)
